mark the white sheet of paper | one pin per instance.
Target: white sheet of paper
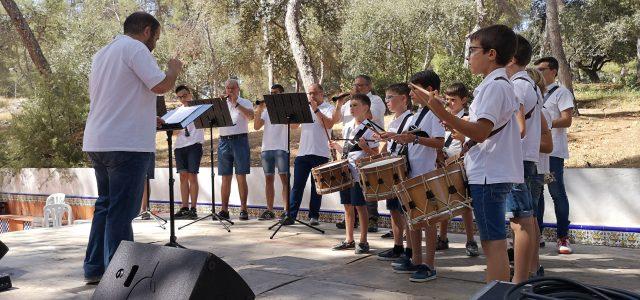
(179, 114)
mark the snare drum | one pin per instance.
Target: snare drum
(378, 177)
(435, 196)
(332, 177)
(369, 159)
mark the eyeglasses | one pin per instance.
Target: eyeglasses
(388, 98)
(183, 96)
(472, 50)
(543, 69)
(359, 84)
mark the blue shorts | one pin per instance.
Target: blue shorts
(353, 196)
(233, 152)
(188, 158)
(519, 202)
(275, 158)
(394, 204)
(489, 204)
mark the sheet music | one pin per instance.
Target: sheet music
(179, 114)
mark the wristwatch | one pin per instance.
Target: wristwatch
(237, 104)
(316, 111)
(415, 141)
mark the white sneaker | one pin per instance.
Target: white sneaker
(314, 222)
(564, 247)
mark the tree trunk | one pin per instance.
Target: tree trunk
(268, 14)
(555, 39)
(592, 74)
(481, 14)
(545, 47)
(638, 60)
(28, 39)
(298, 49)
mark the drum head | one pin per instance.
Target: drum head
(382, 162)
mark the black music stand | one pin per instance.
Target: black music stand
(219, 116)
(161, 221)
(290, 108)
(178, 119)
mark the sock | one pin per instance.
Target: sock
(397, 249)
(408, 252)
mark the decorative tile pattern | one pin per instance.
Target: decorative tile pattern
(576, 236)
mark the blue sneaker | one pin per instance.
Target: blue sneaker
(401, 261)
(407, 268)
(423, 274)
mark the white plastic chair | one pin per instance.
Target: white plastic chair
(57, 198)
(55, 213)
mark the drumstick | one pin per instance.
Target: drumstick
(324, 129)
(335, 139)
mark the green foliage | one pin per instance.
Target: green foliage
(451, 70)
(47, 133)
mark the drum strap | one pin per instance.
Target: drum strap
(528, 115)
(449, 140)
(352, 145)
(404, 121)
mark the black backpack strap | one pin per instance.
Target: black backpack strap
(528, 115)
(550, 92)
(449, 140)
(355, 139)
(394, 144)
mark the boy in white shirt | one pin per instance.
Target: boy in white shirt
(494, 163)
(520, 209)
(558, 100)
(274, 154)
(358, 146)
(422, 159)
(188, 154)
(399, 103)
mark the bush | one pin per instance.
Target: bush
(47, 132)
(452, 70)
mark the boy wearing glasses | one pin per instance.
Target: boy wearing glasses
(558, 101)
(494, 159)
(188, 153)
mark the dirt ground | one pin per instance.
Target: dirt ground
(606, 134)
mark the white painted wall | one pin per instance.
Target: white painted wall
(598, 197)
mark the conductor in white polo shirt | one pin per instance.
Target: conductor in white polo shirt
(119, 136)
(233, 149)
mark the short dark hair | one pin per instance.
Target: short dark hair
(523, 52)
(550, 60)
(362, 98)
(401, 89)
(182, 87)
(457, 89)
(138, 21)
(278, 87)
(499, 38)
(427, 78)
(366, 78)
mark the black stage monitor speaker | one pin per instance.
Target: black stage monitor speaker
(145, 271)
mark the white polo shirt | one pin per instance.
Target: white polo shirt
(560, 100)
(456, 146)
(393, 127)
(274, 136)
(531, 99)
(195, 136)
(349, 132)
(422, 159)
(499, 158)
(122, 108)
(241, 122)
(543, 160)
(378, 108)
(312, 140)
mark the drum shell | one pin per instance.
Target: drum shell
(369, 159)
(332, 177)
(435, 196)
(377, 182)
